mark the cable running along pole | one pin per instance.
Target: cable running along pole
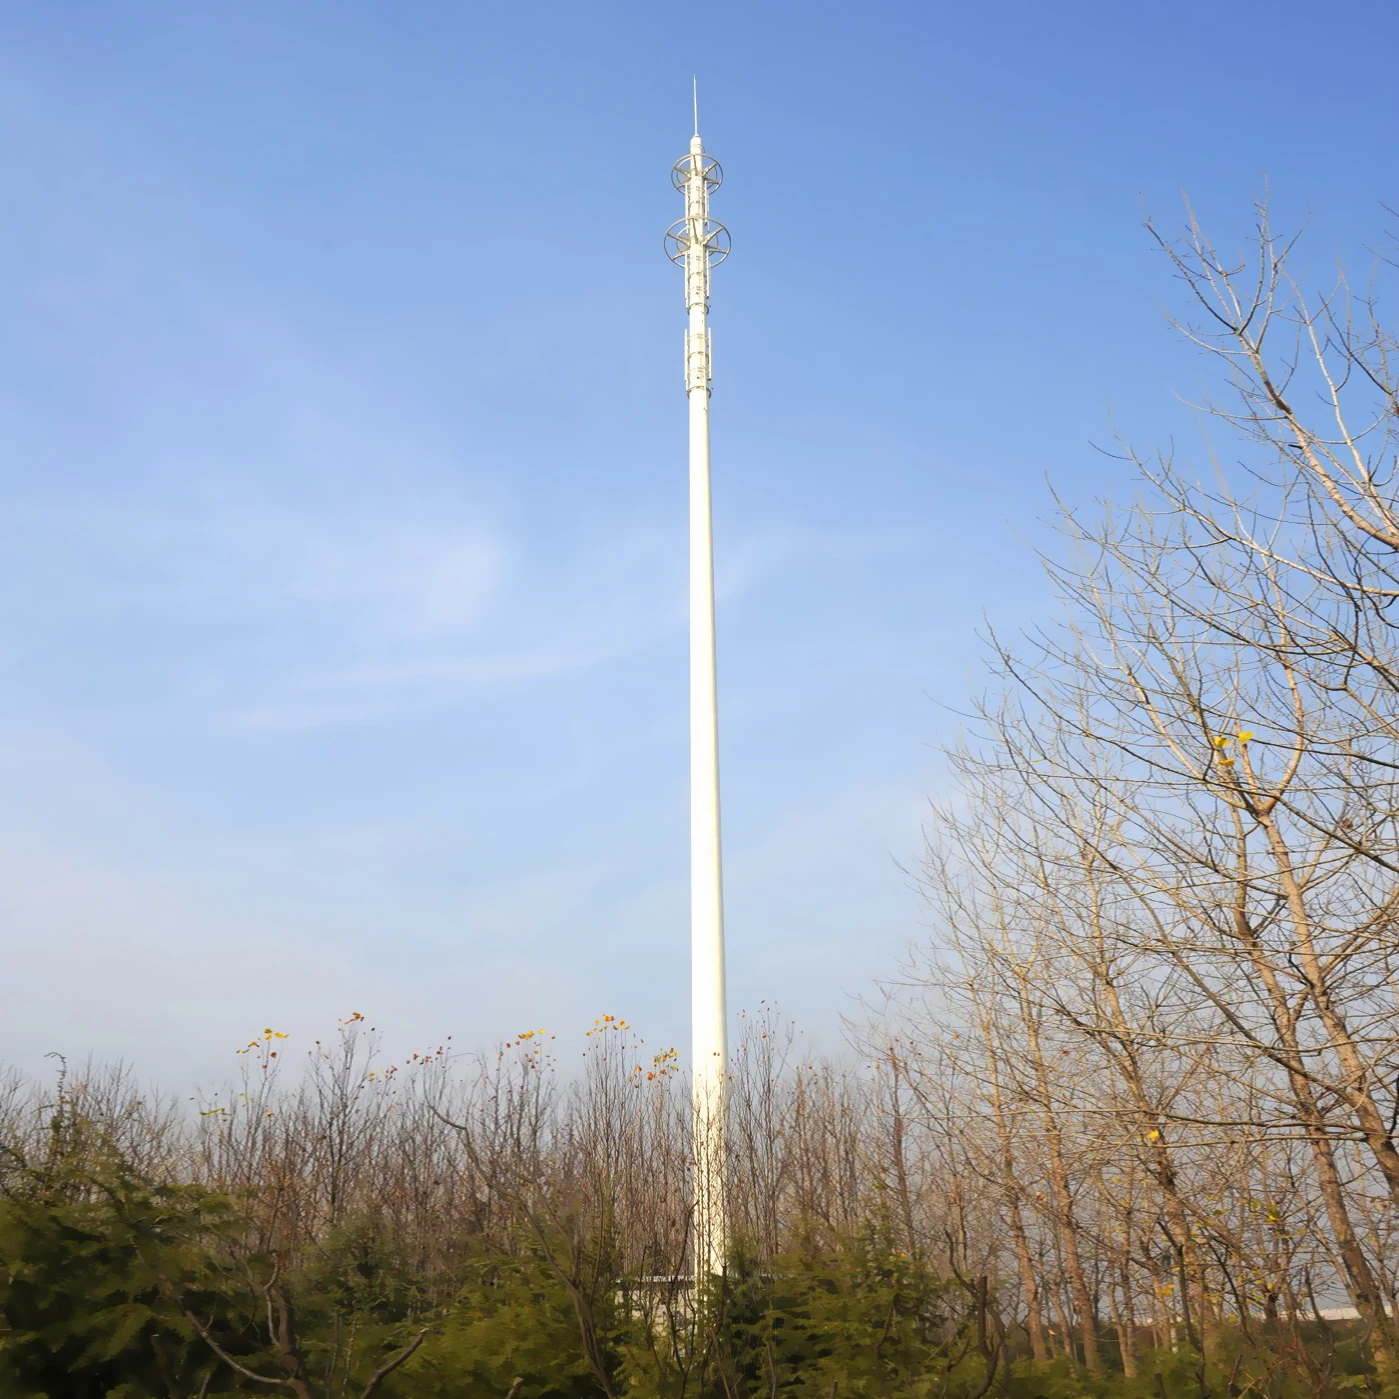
(697, 243)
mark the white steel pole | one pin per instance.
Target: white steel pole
(697, 242)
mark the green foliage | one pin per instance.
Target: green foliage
(862, 1321)
(358, 1301)
(867, 1320)
(92, 1256)
(515, 1316)
(1163, 1375)
(1325, 1367)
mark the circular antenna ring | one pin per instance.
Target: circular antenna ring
(715, 238)
(709, 167)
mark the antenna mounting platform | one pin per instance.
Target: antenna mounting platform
(714, 238)
(709, 167)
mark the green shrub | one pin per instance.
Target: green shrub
(94, 1258)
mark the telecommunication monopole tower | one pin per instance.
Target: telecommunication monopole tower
(697, 243)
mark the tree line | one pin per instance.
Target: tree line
(1156, 1035)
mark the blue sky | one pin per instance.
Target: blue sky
(342, 493)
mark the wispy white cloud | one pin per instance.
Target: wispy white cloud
(375, 693)
(400, 575)
(755, 555)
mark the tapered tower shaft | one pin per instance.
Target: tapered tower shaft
(697, 243)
